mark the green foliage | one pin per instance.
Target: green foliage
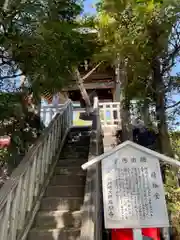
(38, 39)
(137, 31)
(20, 124)
(50, 65)
(41, 39)
(173, 199)
(143, 34)
(175, 139)
(10, 105)
(172, 187)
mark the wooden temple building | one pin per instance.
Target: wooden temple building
(102, 80)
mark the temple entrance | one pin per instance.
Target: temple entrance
(104, 95)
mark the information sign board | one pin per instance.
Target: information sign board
(133, 192)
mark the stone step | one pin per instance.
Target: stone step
(78, 131)
(74, 148)
(107, 149)
(64, 191)
(70, 171)
(65, 180)
(78, 135)
(73, 154)
(108, 140)
(54, 234)
(80, 128)
(77, 139)
(59, 216)
(61, 204)
(78, 142)
(58, 219)
(73, 162)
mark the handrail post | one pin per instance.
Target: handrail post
(98, 185)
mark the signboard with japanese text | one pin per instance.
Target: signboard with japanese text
(133, 192)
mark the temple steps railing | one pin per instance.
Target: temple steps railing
(109, 113)
(21, 194)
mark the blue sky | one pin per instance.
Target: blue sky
(88, 6)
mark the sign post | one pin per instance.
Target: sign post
(133, 192)
(137, 234)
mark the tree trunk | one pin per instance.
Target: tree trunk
(163, 136)
(145, 113)
(80, 83)
(82, 89)
(124, 103)
(159, 97)
(118, 83)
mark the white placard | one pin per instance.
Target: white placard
(133, 191)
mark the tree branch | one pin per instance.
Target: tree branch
(172, 56)
(80, 83)
(174, 105)
(13, 76)
(175, 42)
(90, 72)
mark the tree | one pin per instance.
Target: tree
(39, 42)
(145, 34)
(112, 42)
(141, 33)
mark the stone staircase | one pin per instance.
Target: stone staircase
(109, 139)
(59, 216)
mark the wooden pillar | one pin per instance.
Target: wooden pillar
(117, 84)
(113, 94)
(116, 95)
